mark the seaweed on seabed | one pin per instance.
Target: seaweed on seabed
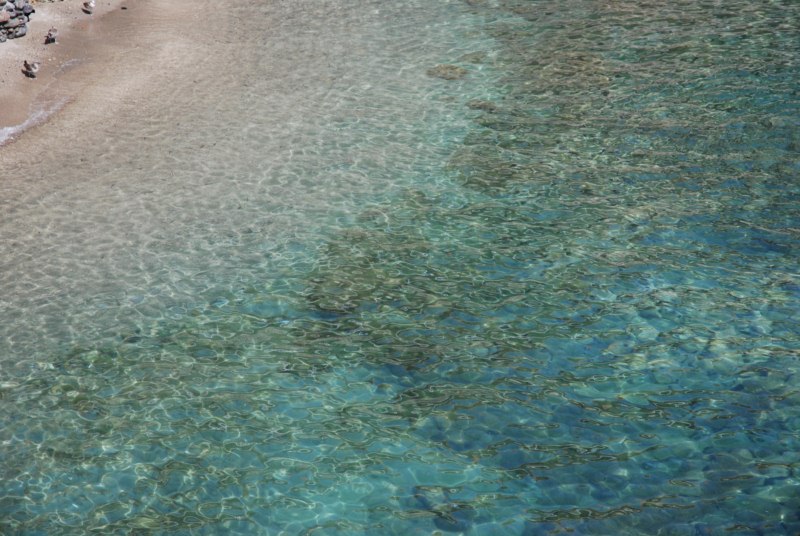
(362, 268)
(483, 168)
(98, 359)
(449, 515)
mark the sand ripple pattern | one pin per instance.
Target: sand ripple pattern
(571, 307)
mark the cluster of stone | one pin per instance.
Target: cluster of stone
(14, 17)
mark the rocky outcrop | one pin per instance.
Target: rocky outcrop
(14, 17)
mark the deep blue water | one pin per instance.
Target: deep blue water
(585, 319)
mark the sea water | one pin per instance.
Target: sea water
(316, 288)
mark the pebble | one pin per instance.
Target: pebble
(14, 18)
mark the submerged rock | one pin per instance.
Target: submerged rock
(447, 72)
(478, 104)
(450, 516)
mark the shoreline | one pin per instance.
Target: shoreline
(17, 91)
(30, 102)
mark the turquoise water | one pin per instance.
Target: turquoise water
(560, 294)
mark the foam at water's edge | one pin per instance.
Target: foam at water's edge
(43, 107)
(40, 114)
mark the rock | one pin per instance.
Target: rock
(14, 17)
(486, 106)
(447, 72)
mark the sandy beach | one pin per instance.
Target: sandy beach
(17, 91)
(97, 61)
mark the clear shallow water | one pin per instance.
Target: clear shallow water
(560, 294)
